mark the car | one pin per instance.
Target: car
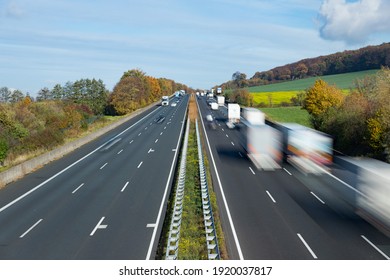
(159, 119)
(173, 104)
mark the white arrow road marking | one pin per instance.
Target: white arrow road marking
(98, 226)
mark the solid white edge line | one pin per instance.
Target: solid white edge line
(345, 184)
(78, 188)
(273, 200)
(307, 246)
(221, 189)
(70, 166)
(376, 248)
(319, 199)
(149, 253)
(96, 227)
(33, 226)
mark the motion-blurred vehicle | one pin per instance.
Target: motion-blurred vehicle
(211, 122)
(309, 150)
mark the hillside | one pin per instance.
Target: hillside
(342, 81)
(368, 58)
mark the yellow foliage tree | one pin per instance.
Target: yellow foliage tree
(321, 97)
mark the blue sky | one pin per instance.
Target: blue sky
(200, 43)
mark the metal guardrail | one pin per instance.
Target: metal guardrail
(211, 235)
(174, 230)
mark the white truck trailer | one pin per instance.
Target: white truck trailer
(234, 115)
(373, 196)
(221, 100)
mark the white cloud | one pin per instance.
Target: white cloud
(14, 9)
(354, 22)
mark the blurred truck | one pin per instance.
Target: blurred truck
(261, 142)
(309, 150)
(373, 191)
(253, 116)
(263, 145)
(221, 100)
(234, 115)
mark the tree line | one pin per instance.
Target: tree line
(359, 121)
(29, 125)
(371, 57)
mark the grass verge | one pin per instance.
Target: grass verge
(288, 114)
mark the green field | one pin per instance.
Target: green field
(288, 114)
(274, 94)
(342, 81)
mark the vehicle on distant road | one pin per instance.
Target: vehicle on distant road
(165, 100)
(214, 106)
(233, 115)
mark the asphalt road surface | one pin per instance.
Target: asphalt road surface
(105, 200)
(283, 214)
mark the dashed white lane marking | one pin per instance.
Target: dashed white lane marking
(124, 187)
(161, 133)
(139, 165)
(139, 134)
(287, 171)
(307, 246)
(156, 141)
(78, 188)
(104, 165)
(98, 226)
(253, 172)
(151, 225)
(131, 141)
(273, 200)
(120, 151)
(232, 143)
(240, 154)
(319, 199)
(30, 229)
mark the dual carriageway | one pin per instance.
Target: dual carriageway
(108, 199)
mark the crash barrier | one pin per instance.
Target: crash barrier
(211, 235)
(174, 229)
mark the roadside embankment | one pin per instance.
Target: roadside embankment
(20, 170)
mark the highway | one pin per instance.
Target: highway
(283, 214)
(105, 200)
